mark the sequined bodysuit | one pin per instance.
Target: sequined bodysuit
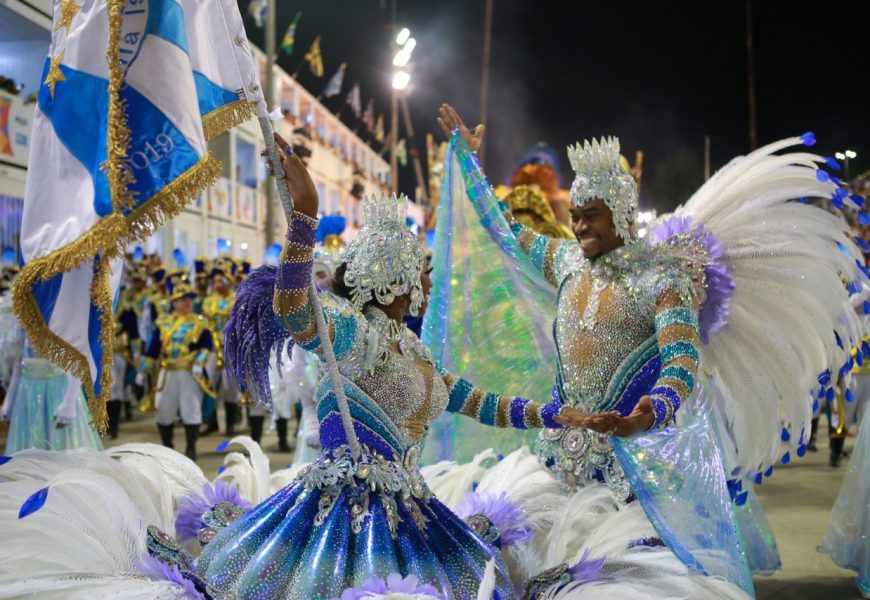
(628, 315)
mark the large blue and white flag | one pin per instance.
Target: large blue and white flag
(118, 147)
(227, 81)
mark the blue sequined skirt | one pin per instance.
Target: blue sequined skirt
(341, 523)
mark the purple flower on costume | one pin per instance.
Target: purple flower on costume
(713, 315)
(585, 570)
(395, 584)
(502, 512)
(188, 518)
(148, 565)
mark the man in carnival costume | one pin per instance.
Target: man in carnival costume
(179, 349)
(634, 321)
(216, 308)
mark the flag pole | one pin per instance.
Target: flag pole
(271, 24)
(287, 203)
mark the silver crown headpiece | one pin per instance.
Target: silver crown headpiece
(599, 175)
(384, 260)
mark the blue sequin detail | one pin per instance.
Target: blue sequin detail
(313, 345)
(676, 316)
(677, 349)
(458, 395)
(488, 408)
(668, 393)
(298, 320)
(518, 413)
(681, 373)
(538, 251)
(345, 335)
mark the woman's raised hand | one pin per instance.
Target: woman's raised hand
(298, 180)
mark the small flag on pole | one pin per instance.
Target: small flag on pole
(368, 117)
(402, 153)
(290, 35)
(333, 88)
(314, 58)
(257, 9)
(379, 129)
(354, 100)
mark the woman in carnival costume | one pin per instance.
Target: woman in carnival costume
(698, 314)
(44, 406)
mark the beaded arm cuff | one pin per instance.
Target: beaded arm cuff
(294, 278)
(677, 337)
(499, 411)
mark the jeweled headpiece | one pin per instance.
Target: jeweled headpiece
(599, 175)
(384, 260)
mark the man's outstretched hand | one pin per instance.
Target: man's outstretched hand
(612, 423)
(449, 120)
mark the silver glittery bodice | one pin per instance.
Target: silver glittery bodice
(405, 383)
(590, 353)
(606, 310)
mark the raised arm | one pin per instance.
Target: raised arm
(544, 252)
(292, 302)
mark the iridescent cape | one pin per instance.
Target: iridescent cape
(490, 318)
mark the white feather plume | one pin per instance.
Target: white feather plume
(788, 298)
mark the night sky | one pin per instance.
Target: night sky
(658, 75)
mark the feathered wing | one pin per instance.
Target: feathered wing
(490, 316)
(788, 261)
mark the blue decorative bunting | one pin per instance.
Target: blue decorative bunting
(5, 459)
(741, 498)
(863, 218)
(832, 163)
(802, 449)
(33, 503)
(822, 175)
(786, 458)
(808, 139)
(758, 479)
(858, 200)
(769, 471)
(223, 446)
(850, 397)
(785, 435)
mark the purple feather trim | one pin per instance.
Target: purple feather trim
(188, 518)
(585, 570)
(252, 333)
(148, 565)
(713, 315)
(502, 512)
(395, 584)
